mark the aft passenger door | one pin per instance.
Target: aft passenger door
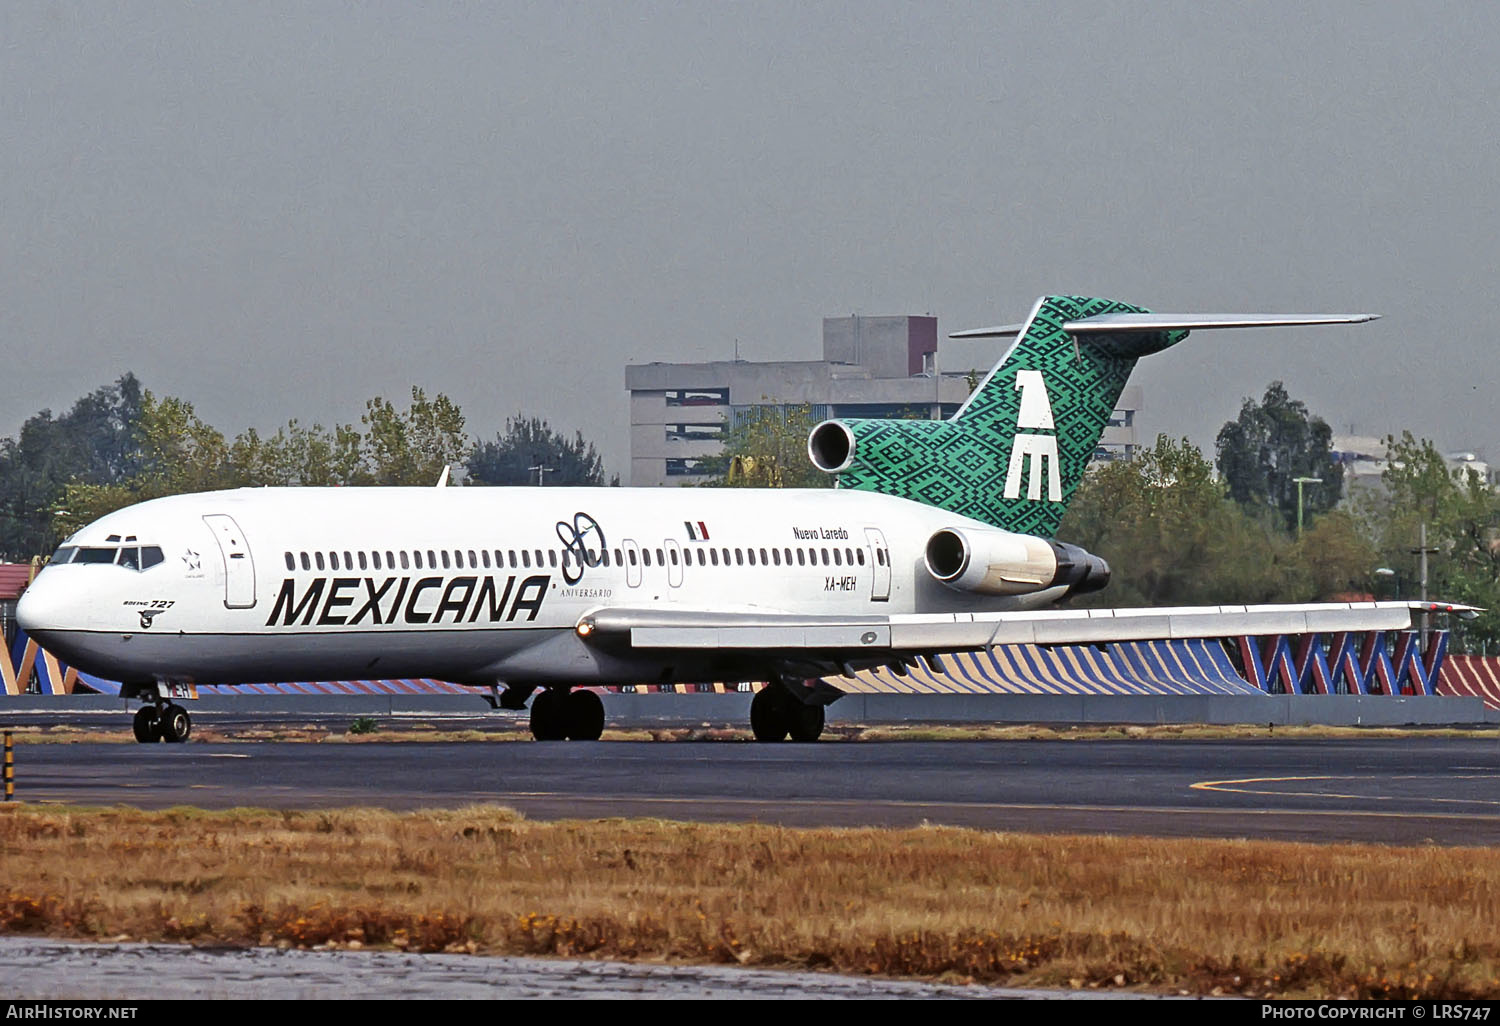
(239, 568)
(880, 565)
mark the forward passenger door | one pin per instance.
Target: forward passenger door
(239, 567)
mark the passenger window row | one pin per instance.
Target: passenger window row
(434, 559)
(707, 555)
(526, 559)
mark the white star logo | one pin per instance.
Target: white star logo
(190, 558)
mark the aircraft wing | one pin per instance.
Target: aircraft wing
(919, 633)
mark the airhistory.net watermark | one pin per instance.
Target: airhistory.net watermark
(56, 1010)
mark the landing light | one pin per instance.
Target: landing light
(585, 628)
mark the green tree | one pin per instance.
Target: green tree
(1462, 516)
(297, 455)
(529, 442)
(176, 452)
(1172, 537)
(180, 452)
(768, 449)
(412, 448)
(1335, 559)
(94, 442)
(1270, 445)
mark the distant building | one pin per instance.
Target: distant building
(1363, 460)
(681, 413)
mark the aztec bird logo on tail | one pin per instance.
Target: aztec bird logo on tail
(1040, 451)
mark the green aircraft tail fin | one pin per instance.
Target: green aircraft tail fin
(1014, 454)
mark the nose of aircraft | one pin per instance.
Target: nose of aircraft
(55, 614)
(45, 607)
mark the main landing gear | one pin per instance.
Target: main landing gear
(558, 714)
(162, 722)
(776, 714)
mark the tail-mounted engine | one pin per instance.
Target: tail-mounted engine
(1001, 563)
(830, 446)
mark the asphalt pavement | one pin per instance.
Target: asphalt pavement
(1404, 790)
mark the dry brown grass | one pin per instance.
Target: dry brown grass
(1193, 916)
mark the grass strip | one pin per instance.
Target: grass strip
(1181, 916)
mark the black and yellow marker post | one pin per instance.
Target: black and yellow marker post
(10, 770)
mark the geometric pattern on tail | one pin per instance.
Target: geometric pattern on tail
(1013, 455)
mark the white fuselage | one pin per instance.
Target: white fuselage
(475, 585)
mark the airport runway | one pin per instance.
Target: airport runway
(1397, 790)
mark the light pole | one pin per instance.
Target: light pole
(1300, 482)
(541, 468)
(1422, 550)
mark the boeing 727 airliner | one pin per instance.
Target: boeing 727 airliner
(938, 539)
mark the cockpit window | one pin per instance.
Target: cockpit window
(131, 557)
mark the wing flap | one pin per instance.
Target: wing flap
(808, 636)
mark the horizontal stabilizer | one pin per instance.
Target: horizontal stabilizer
(1111, 323)
(998, 331)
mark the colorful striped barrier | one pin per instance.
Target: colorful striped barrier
(1353, 664)
(1470, 676)
(1348, 664)
(409, 686)
(26, 658)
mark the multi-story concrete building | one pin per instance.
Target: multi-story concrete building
(681, 413)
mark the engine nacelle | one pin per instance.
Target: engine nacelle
(994, 562)
(830, 446)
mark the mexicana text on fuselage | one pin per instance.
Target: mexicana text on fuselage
(353, 601)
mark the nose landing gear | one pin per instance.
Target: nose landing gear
(176, 724)
(147, 726)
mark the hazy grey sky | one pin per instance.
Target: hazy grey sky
(279, 210)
